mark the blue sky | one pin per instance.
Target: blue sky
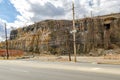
(18, 13)
(7, 11)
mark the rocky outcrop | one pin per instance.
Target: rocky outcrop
(41, 36)
(54, 35)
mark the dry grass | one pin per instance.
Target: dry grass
(10, 58)
(112, 56)
(114, 63)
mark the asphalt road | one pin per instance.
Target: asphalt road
(23, 71)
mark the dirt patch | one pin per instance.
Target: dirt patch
(83, 59)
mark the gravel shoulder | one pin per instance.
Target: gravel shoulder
(81, 59)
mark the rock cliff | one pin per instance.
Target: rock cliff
(53, 36)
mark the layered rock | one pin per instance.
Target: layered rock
(54, 35)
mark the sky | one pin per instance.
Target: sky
(19, 13)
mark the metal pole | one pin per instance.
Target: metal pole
(74, 31)
(7, 54)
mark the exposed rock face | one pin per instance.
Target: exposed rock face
(13, 34)
(41, 36)
(55, 36)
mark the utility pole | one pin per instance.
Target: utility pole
(74, 31)
(91, 13)
(92, 31)
(7, 54)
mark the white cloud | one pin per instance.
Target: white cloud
(23, 8)
(2, 39)
(2, 27)
(37, 10)
(29, 9)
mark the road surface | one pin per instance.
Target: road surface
(31, 70)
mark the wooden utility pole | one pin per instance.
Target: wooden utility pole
(74, 31)
(7, 54)
(91, 13)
